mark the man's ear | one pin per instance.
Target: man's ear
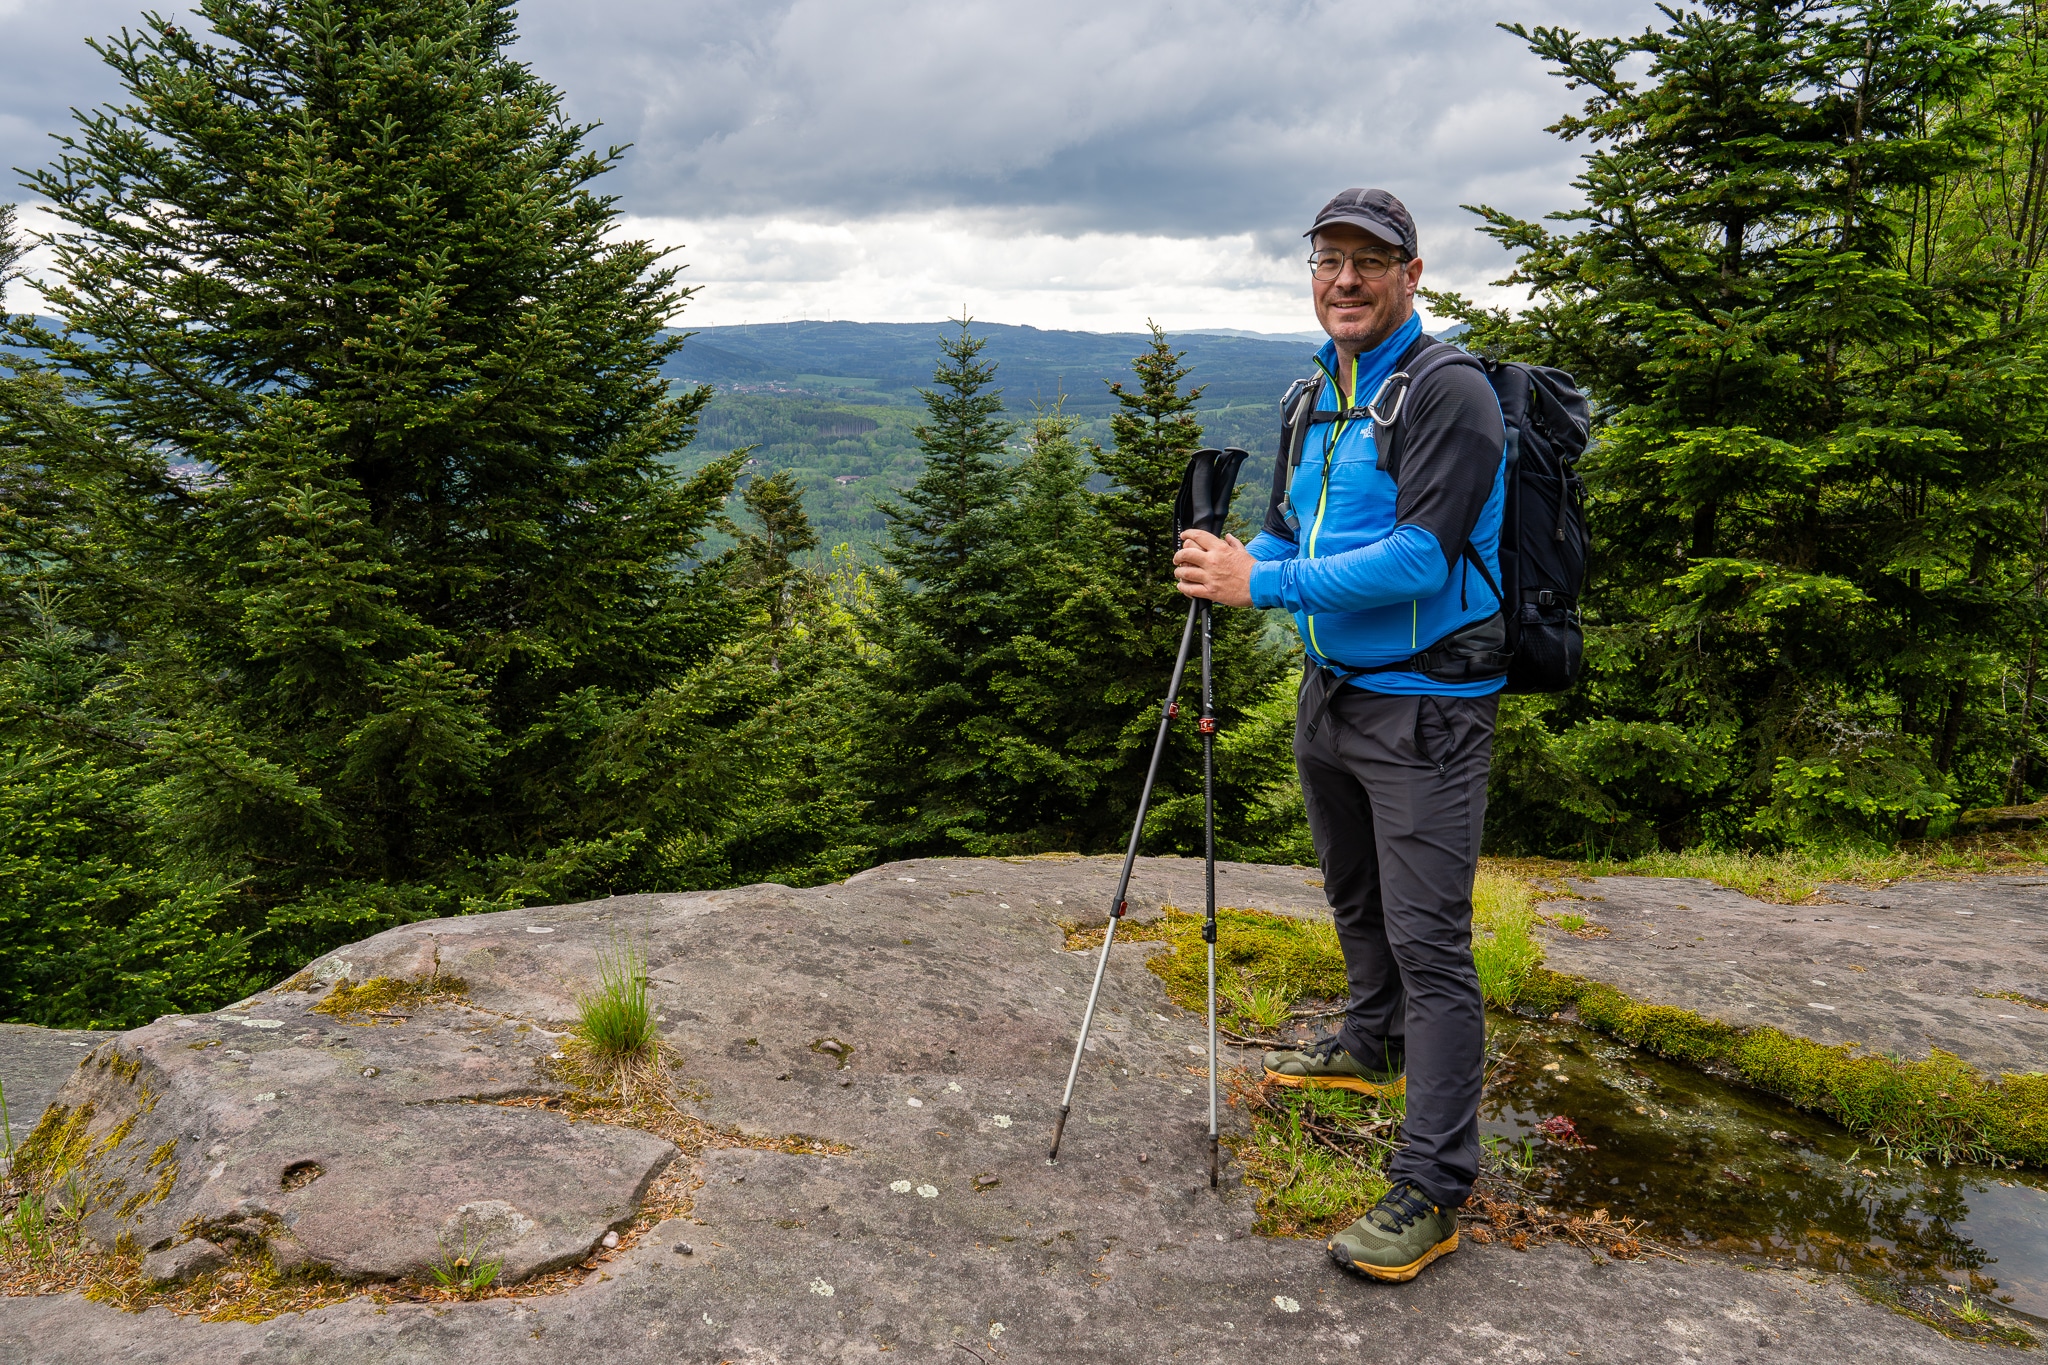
(1413, 270)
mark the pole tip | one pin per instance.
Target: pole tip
(1057, 1129)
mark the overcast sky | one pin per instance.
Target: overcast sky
(1064, 163)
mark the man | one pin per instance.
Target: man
(1371, 543)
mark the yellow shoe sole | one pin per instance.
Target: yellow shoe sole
(1358, 1083)
(1401, 1274)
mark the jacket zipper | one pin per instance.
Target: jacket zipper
(1329, 449)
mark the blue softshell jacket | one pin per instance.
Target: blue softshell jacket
(1376, 571)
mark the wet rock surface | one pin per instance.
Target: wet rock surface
(1902, 969)
(944, 985)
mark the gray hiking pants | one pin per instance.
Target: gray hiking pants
(1396, 794)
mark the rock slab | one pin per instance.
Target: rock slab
(1902, 969)
(369, 1147)
(942, 1233)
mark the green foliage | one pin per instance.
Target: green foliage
(25, 1233)
(1280, 957)
(1802, 292)
(1027, 631)
(346, 577)
(1316, 1157)
(466, 1269)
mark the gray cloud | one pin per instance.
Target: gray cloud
(1196, 118)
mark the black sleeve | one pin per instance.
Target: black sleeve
(1447, 454)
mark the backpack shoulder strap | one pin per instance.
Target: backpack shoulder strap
(1296, 406)
(1421, 360)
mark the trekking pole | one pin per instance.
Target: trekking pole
(1167, 711)
(1208, 728)
(1203, 503)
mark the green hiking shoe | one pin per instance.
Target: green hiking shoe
(1329, 1065)
(1398, 1236)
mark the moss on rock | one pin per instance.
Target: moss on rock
(1940, 1108)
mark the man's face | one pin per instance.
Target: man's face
(1359, 313)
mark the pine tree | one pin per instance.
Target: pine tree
(935, 619)
(392, 581)
(1156, 431)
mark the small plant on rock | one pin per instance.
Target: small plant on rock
(466, 1270)
(74, 1201)
(1515, 1160)
(26, 1232)
(616, 1043)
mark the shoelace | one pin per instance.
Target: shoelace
(1404, 1204)
(1323, 1049)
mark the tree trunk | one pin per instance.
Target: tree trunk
(2023, 750)
(1951, 727)
(1703, 519)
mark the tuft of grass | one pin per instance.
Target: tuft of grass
(1259, 1007)
(387, 999)
(616, 1020)
(26, 1232)
(1503, 950)
(466, 1270)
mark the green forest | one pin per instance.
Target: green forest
(362, 564)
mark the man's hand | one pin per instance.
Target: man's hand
(1219, 570)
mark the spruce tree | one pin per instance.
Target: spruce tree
(1814, 465)
(386, 571)
(1156, 431)
(1153, 432)
(934, 619)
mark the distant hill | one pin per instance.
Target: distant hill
(1312, 338)
(836, 402)
(888, 361)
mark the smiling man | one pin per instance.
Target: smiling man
(1382, 539)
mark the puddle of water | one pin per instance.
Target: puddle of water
(1709, 1164)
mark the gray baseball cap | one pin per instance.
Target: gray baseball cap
(1374, 211)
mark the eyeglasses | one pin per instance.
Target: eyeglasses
(1370, 262)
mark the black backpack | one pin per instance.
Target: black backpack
(1543, 525)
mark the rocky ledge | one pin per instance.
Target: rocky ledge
(919, 1019)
